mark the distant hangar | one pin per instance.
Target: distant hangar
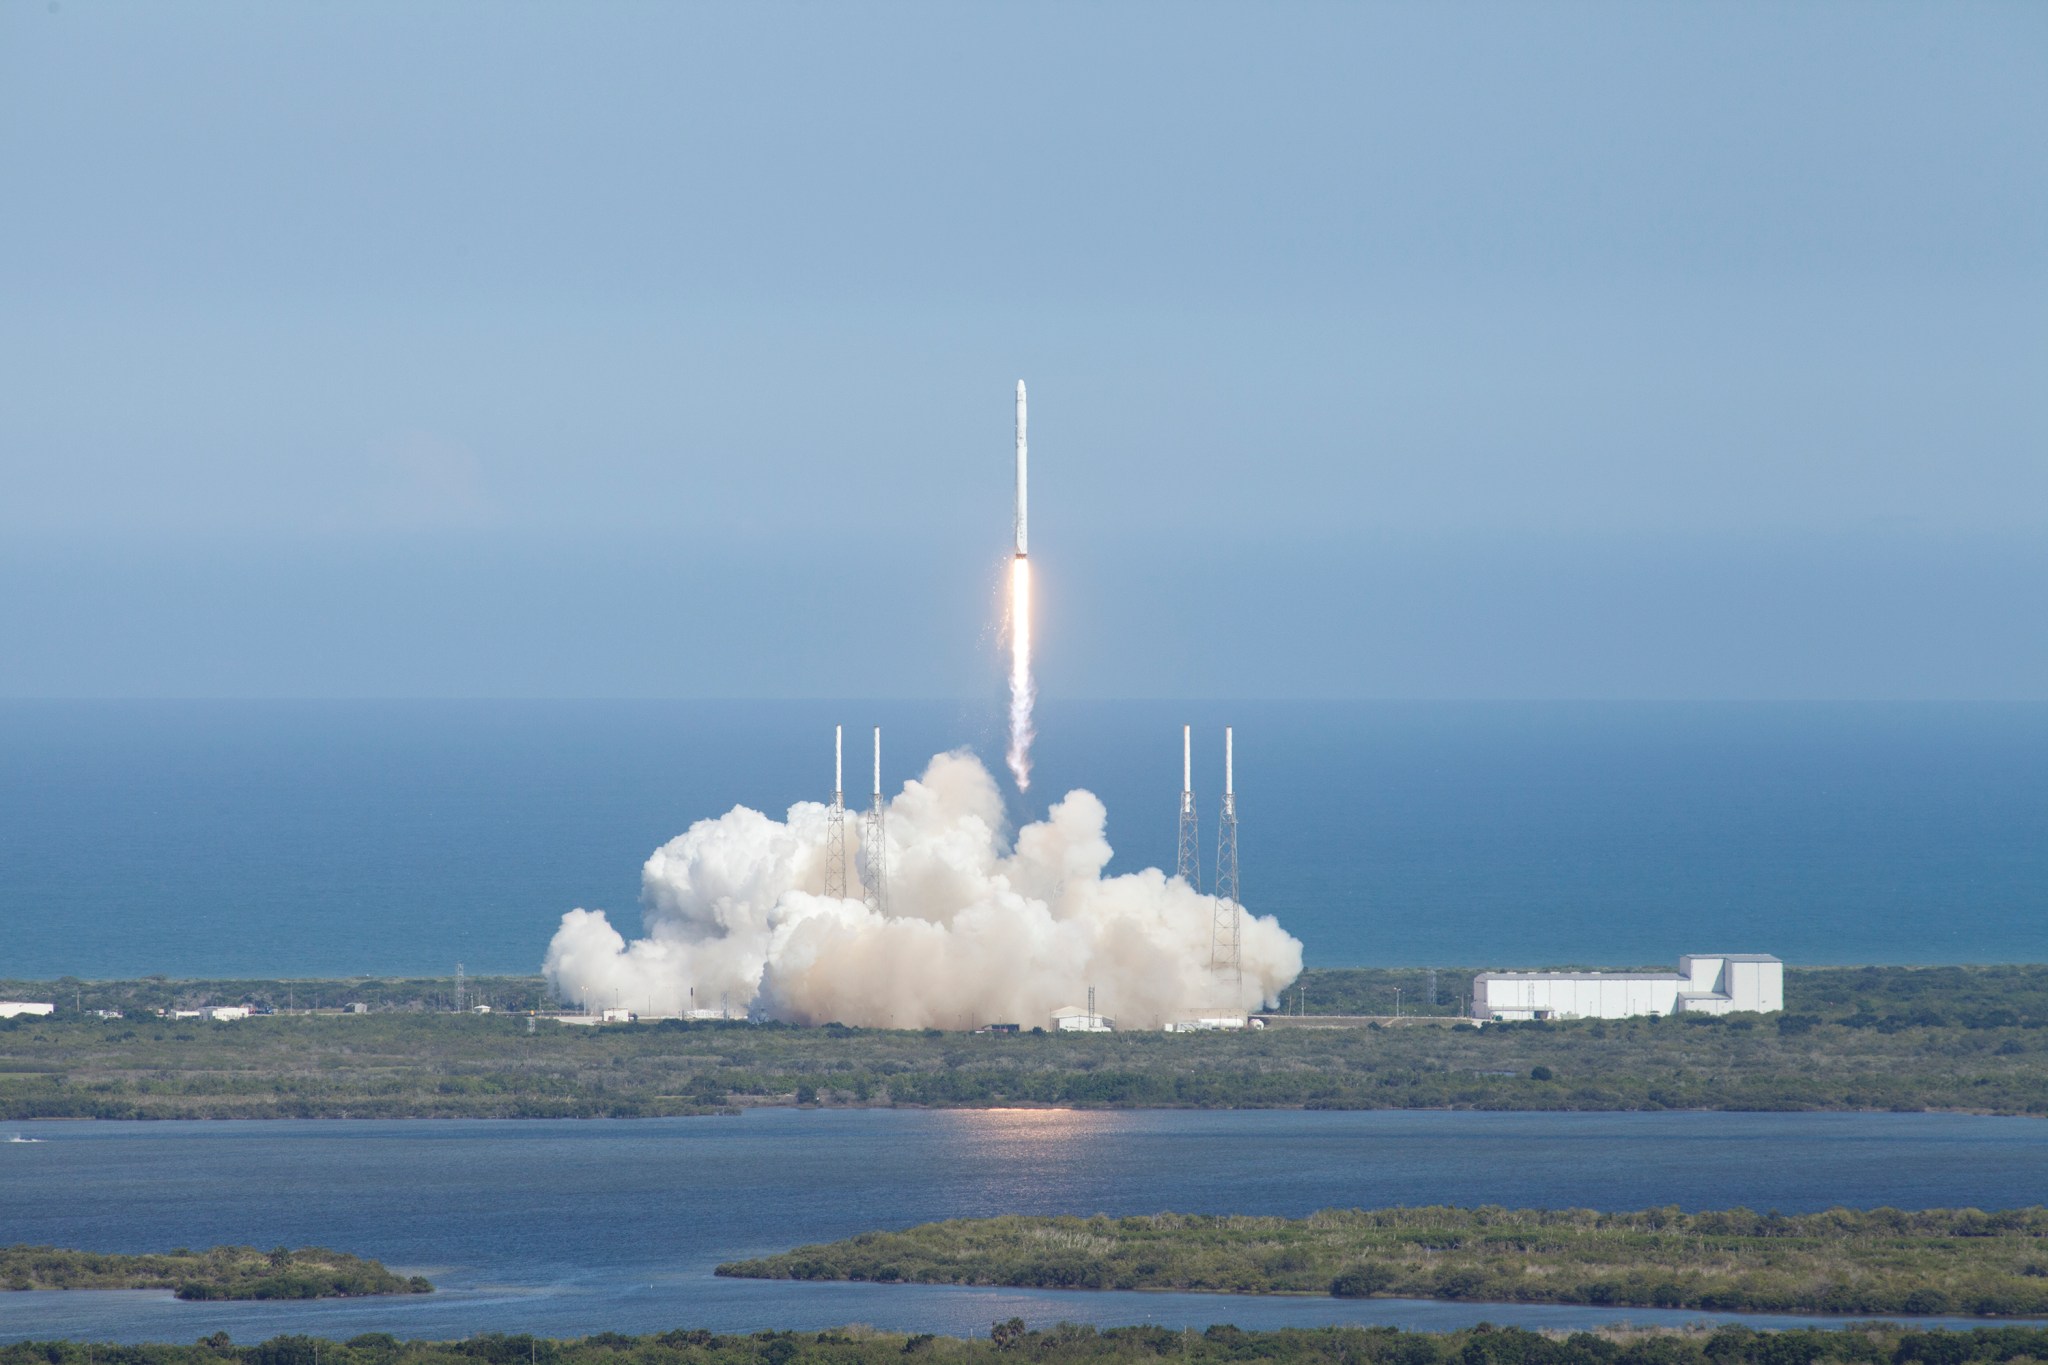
(1705, 983)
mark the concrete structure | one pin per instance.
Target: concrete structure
(11, 1008)
(225, 1013)
(1074, 1019)
(1705, 983)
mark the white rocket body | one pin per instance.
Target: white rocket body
(1023, 475)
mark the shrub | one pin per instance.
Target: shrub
(1361, 1281)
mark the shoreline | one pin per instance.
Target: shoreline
(739, 1111)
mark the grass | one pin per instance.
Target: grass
(1840, 1261)
(1958, 1039)
(1068, 1344)
(225, 1272)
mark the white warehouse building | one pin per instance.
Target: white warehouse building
(1705, 983)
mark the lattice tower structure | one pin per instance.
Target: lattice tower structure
(1226, 936)
(458, 988)
(835, 820)
(1189, 868)
(874, 843)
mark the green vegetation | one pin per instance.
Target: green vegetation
(1068, 1344)
(1840, 1261)
(412, 995)
(1373, 991)
(1971, 1039)
(222, 1273)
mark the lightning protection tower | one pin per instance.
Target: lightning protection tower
(835, 820)
(1226, 936)
(874, 844)
(1190, 866)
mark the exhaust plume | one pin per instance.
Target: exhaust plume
(978, 929)
(1023, 692)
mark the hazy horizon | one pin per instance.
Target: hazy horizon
(1375, 351)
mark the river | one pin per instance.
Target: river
(572, 1227)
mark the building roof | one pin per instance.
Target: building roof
(1580, 976)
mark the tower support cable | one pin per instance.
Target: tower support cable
(835, 820)
(1226, 936)
(1189, 866)
(874, 844)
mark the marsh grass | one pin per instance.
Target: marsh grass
(1969, 1039)
(1840, 1261)
(225, 1272)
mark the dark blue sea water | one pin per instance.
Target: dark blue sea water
(579, 1226)
(323, 838)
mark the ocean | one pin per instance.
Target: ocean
(319, 838)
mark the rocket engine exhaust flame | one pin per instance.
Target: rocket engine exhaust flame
(1023, 692)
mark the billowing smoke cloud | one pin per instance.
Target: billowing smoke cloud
(976, 929)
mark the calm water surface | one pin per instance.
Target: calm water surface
(576, 1227)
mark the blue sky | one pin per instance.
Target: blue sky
(1375, 350)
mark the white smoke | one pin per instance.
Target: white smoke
(977, 929)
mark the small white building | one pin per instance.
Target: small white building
(11, 1008)
(1705, 983)
(1074, 1019)
(226, 1013)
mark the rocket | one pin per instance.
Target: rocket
(1023, 495)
